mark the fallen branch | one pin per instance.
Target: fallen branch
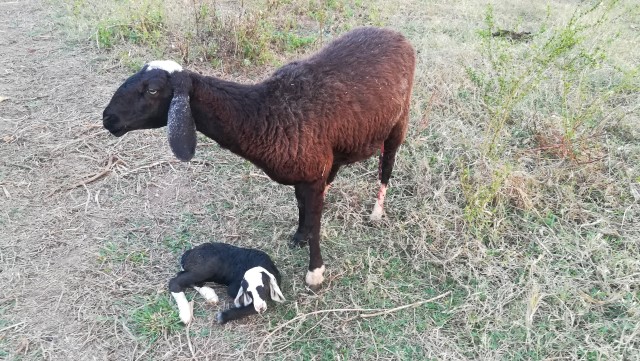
(152, 165)
(366, 315)
(415, 304)
(162, 162)
(12, 326)
(113, 160)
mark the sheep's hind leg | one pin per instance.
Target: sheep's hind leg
(386, 162)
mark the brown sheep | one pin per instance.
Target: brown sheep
(312, 116)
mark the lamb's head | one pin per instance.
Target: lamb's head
(156, 96)
(257, 285)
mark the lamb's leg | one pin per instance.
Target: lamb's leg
(235, 313)
(314, 202)
(302, 234)
(387, 159)
(177, 285)
(208, 293)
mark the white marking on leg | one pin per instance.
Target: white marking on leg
(184, 307)
(208, 293)
(376, 215)
(315, 277)
(167, 65)
(326, 190)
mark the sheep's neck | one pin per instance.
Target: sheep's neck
(225, 111)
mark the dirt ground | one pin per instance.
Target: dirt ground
(92, 230)
(52, 218)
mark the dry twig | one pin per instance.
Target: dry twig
(367, 315)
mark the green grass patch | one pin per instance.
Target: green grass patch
(153, 317)
(116, 252)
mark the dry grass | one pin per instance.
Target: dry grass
(535, 250)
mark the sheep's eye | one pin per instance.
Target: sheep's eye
(152, 91)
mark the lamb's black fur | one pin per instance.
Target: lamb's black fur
(224, 264)
(300, 125)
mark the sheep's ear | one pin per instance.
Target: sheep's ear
(276, 294)
(181, 128)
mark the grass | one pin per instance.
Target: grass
(155, 317)
(515, 194)
(210, 32)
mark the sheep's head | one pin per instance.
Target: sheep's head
(156, 96)
(257, 285)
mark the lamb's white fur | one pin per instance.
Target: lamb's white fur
(208, 293)
(184, 306)
(254, 278)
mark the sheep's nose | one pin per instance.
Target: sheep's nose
(107, 119)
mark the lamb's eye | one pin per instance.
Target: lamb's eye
(152, 91)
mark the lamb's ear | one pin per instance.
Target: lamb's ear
(276, 294)
(181, 128)
(242, 299)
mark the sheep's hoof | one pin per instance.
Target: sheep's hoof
(315, 278)
(376, 214)
(298, 240)
(314, 289)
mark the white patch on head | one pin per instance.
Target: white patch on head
(208, 293)
(254, 279)
(315, 277)
(184, 307)
(167, 65)
(376, 215)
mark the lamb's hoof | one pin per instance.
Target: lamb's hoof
(185, 316)
(220, 318)
(315, 278)
(209, 294)
(298, 240)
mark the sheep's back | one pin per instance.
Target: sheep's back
(342, 102)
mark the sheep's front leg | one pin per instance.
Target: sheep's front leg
(314, 199)
(302, 234)
(301, 237)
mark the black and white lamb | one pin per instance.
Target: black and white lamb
(299, 126)
(250, 274)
